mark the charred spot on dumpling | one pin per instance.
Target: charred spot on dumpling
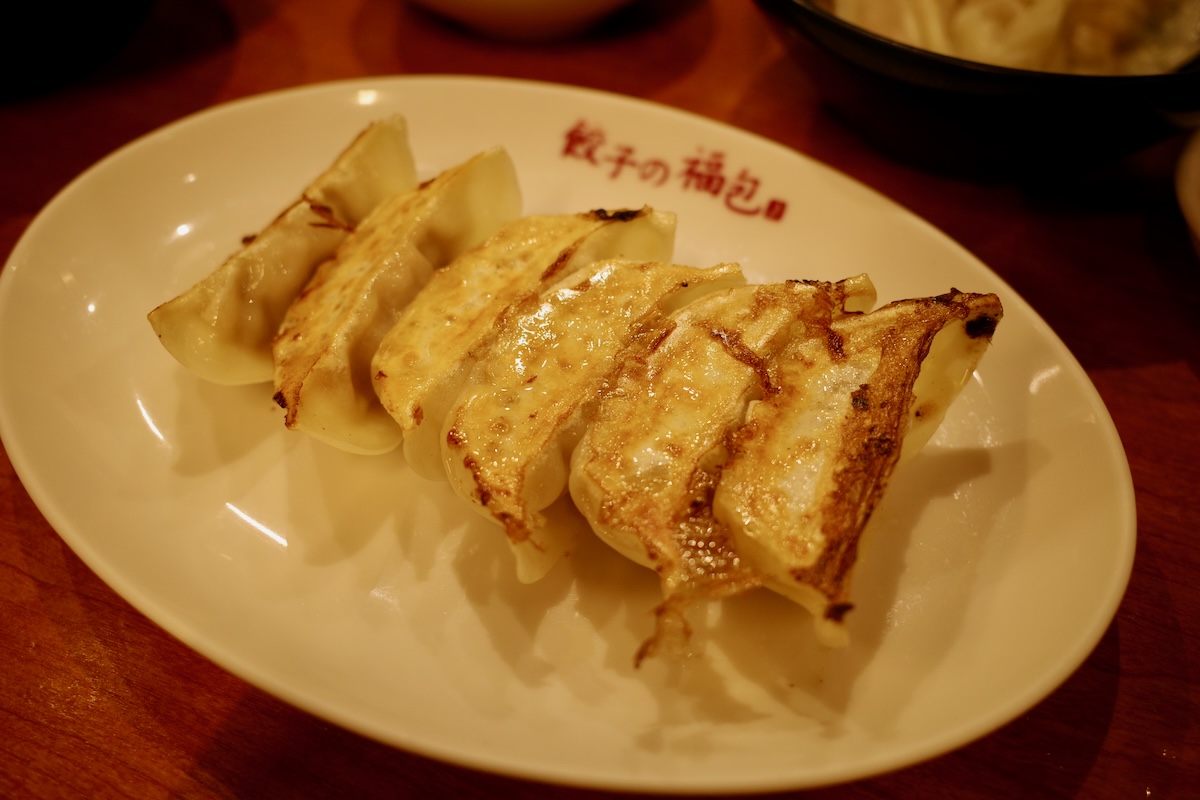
(879, 446)
(329, 219)
(859, 398)
(280, 400)
(836, 343)
(482, 495)
(557, 266)
(659, 336)
(620, 215)
(838, 611)
(982, 326)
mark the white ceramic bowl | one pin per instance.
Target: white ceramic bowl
(528, 20)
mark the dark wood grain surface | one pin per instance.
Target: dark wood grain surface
(96, 701)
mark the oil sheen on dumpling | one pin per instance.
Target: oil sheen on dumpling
(422, 363)
(222, 327)
(507, 439)
(814, 457)
(644, 471)
(325, 344)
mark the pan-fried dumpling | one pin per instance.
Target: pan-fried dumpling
(814, 457)
(645, 469)
(422, 363)
(222, 327)
(325, 344)
(507, 438)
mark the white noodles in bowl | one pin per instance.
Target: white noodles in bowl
(1103, 37)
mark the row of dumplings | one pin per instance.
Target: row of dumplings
(728, 435)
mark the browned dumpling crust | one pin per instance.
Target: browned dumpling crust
(222, 327)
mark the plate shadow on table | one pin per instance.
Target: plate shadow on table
(265, 746)
(1049, 752)
(1111, 703)
(297, 755)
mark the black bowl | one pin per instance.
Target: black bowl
(975, 119)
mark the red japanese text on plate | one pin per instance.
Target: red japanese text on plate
(705, 171)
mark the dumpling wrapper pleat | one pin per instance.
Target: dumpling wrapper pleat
(423, 362)
(507, 439)
(645, 469)
(222, 327)
(808, 468)
(331, 332)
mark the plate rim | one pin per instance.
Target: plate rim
(42, 495)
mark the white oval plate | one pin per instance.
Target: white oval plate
(355, 590)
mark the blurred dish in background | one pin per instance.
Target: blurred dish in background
(1091, 37)
(977, 120)
(525, 20)
(1187, 187)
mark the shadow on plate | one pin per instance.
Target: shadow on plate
(756, 655)
(219, 425)
(756, 659)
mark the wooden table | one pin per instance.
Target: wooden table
(95, 700)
